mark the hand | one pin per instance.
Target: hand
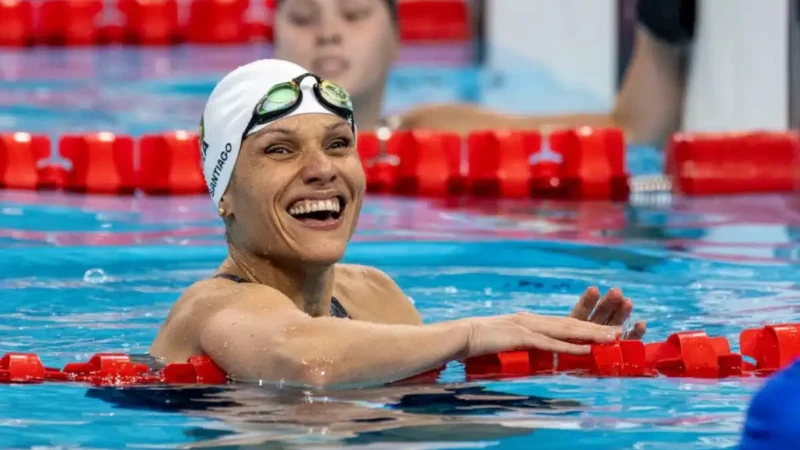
(613, 310)
(525, 331)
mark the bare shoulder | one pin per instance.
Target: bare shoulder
(179, 336)
(370, 294)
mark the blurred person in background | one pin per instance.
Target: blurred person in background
(355, 42)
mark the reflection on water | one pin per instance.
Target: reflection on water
(421, 413)
(753, 229)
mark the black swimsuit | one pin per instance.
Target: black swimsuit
(337, 310)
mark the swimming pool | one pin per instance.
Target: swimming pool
(84, 274)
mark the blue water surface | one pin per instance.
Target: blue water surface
(85, 274)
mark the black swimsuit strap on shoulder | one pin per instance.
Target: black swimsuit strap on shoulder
(337, 310)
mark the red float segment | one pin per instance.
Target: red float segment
(733, 163)
(150, 22)
(21, 368)
(19, 156)
(593, 163)
(101, 163)
(106, 364)
(773, 347)
(109, 369)
(198, 370)
(694, 354)
(380, 166)
(430, 162)
(776, 165)
(16, 23)
(218, 22)
(171, 163)
(69, 22)
(500, 162)
(434, 21)
(697, 165)
(619, 359)
(505, 365)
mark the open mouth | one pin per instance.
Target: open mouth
(316, 212)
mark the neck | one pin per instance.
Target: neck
(309, 287)
(368, 109)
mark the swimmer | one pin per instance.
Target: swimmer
(355, 42)
(281, 164)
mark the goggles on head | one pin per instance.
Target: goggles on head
(283, 98)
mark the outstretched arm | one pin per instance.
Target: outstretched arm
(260, 335)
(648, 106)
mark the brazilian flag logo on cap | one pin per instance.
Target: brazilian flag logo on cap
(203, 143)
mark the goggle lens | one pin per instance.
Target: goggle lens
(335, 95)
(279, 97)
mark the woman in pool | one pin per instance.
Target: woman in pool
(280, 161)
(354, 43)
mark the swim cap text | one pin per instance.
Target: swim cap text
(223, 158)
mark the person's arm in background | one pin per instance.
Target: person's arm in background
(648, 106)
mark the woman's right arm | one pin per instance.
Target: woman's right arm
(263, 336)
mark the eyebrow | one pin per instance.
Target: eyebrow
(337, 124)
(288, 132)
(271, 130)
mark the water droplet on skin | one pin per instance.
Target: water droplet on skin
(95, 276)
(611, 333)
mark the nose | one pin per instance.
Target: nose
(329, 32)
(318, 169)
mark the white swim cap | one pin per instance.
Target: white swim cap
(230, 108)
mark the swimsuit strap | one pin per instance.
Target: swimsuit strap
(233, 278)
(337, 309)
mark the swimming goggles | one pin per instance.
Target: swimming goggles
(283, 98)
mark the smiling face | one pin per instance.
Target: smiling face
(352, 42)
(296, 190)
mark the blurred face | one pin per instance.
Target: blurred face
(351, 42)
(297, 189)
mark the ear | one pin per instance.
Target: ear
(225, 207)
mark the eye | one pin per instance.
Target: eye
(277, 150)
(340, 144)
(301, 20)
(356, 14)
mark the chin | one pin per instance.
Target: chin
(326, 255)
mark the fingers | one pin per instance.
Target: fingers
(607, 308)
(585, 304)
(638, 331)
(621, 314)
(548, 344)
(567, 328)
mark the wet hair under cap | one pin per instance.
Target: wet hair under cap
(391, 4)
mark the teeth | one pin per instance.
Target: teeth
(307, 206)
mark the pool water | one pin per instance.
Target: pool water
(85, 274)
